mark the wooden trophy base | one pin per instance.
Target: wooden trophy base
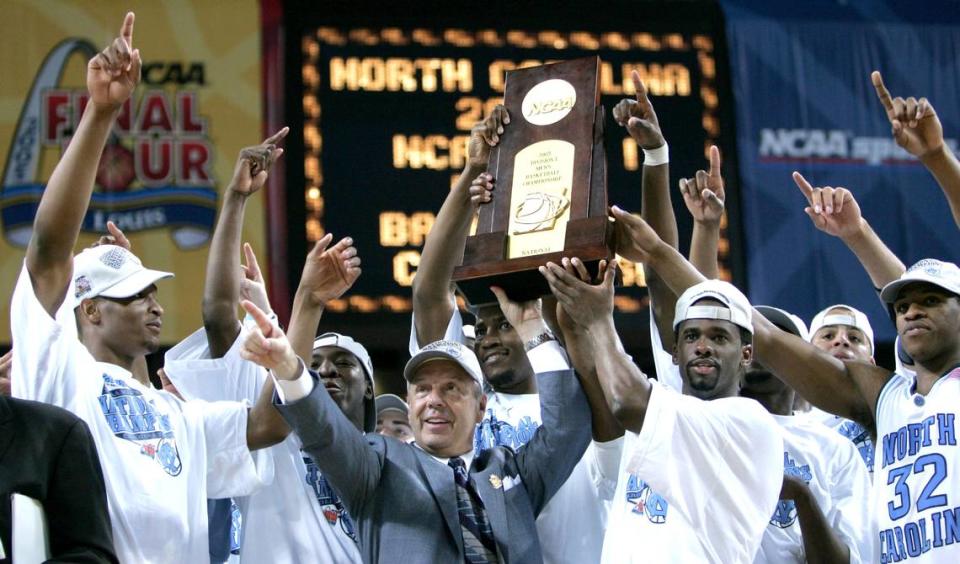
(589, 239)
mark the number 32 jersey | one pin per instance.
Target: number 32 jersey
(917, 471)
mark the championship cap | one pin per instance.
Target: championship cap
(946, 275)
(446, 350)
(386, 402)
(737, 310)
(112, 272)
(784, 320)
(852, 318)
(346, 343)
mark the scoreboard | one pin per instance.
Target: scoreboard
(385, 113)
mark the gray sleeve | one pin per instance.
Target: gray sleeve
(350, 460)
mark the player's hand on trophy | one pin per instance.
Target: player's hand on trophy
(329, 272)
(114, 237)
(639, 117)
(484, 135)
(267, 345)
(481, 189)
(832, 210)
(114, 73)
(636, 240)
(914, 123)
(525, 317)
(252, 285)
(581, 301)
(254, 163)
(704, 194)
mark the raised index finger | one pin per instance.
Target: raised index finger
(272, 140)
(714, 162)
(804, 186)
(882, 92)
(126, 32)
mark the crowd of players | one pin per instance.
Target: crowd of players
(528, 436)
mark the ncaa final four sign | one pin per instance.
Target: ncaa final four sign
(171, 151)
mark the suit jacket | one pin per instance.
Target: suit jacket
(47, 453)
(404, 501)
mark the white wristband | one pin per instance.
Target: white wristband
(658, 156)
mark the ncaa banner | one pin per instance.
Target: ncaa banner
(804, 101)
(172, 150)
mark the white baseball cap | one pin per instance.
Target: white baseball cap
(855, 318)
(446, 350)
(784, 320)
(946, 275)
(112, 272)
(346, 343)
(738, 310)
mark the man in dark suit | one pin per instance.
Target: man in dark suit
(47, 453)
(433, 500)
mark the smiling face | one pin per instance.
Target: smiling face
(344, 379)
(445, 406)
(711, 356)
(500, 350)
(127, 327)
(928, 322)
(843, 341)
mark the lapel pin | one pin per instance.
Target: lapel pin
(495, 481)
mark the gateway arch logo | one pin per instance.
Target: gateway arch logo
(155, 172)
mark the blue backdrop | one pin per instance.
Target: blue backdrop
(804, 101)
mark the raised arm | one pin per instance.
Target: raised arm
(221, 292)
(916, 128)
(433, 303)
(577, 338)
(327, 274)
(836, 212)
(112, 76)
(704, 196)
(640, 120)
(340, 450)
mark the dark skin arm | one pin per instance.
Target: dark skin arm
(640, 121)
(221, 292)
(916, 127)
(327, 274)
(625, 389)
(821, 543)
(112, 76)
(704, 196)
(579, 347)
(433, 303)
(847, 389)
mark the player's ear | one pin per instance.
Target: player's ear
(675, 355)
(90, 310)
(746, 354)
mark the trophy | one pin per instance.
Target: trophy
(551, 196)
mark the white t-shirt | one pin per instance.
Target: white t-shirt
(697, 484)
(571, 526)
(849, 429)
(836, 475)
(296, 519)
(917, 485)
(161, 457)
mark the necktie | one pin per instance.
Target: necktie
(479, 546)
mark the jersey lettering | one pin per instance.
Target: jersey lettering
(492, 432)
(134, 419)
(333, 509)
(645, 501)
(785, 514)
